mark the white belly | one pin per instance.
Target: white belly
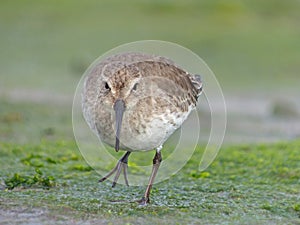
(138, 133)
(155, 133)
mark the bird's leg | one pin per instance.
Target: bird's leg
(156, 163)
(121, 165)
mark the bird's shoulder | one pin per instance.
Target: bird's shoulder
(170, 77)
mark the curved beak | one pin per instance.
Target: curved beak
(119, 108)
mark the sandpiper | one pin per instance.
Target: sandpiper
(134, 102)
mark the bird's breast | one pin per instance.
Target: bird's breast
(140, 131)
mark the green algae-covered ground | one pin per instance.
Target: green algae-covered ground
(246, 184)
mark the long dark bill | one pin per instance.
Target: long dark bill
(119, 108)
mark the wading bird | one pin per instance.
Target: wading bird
(134, 102)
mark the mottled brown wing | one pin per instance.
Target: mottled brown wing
(173, 80)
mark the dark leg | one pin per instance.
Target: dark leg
(121, 165)
(156, 163)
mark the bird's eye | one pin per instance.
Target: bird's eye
(107, 86)
(134, 87)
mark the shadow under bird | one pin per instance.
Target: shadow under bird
(134, 102)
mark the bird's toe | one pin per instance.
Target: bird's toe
(144, 201)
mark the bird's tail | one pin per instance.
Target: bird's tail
(197, 83)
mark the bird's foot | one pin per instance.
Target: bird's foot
(121, 166)
(144, 201)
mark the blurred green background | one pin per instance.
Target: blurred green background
(252, 46)
(47, 45)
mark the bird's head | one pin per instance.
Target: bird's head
(118, 90)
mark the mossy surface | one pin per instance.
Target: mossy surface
(256, 184)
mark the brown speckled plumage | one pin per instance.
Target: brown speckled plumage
(157, 95)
